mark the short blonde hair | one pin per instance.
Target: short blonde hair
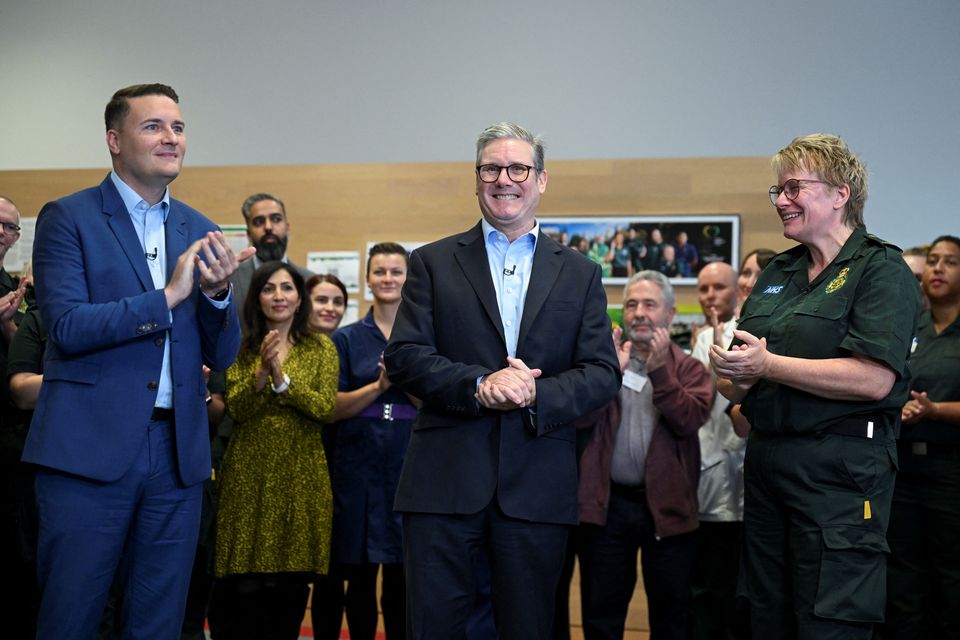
(831, 159)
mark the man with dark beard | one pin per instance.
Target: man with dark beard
(268, 229)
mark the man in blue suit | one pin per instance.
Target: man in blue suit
(133, 288)
(503, 334)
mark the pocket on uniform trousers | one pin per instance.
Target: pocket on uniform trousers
(853, 575)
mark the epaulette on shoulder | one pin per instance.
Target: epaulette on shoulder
(880, 242)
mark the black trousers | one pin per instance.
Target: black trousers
(923, 580)
(360, 601)
(715, 613)
(443, 581)
(816, 510)
(258, 607)
(608, 573)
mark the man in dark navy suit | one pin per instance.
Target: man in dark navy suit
(133, 288)
(503, 334)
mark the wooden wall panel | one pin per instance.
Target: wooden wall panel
(342, 207)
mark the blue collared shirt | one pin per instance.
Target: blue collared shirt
(510, 266)
(148, 222)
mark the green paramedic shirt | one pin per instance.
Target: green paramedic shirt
(866, 301)
(935, 363)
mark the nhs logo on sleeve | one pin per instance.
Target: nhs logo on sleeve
(773, 289)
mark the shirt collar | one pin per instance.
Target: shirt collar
(490, 234)
(132, 200)
(846, 252)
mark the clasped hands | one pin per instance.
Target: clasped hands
(215, 260)
(743, 364)
(9, 305)
(512, 387)
(269, 368)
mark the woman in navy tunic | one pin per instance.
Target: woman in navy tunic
(372, 432)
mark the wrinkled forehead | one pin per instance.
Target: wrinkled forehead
(508, 150)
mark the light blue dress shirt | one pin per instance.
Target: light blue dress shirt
(510, 266)
(149, 223)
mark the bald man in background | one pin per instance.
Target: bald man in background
(713, 612)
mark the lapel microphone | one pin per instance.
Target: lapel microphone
(151, 256)
(510, 272)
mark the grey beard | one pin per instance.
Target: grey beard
(269, 252)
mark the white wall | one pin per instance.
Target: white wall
(311, 81)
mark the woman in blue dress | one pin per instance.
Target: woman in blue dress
(371, 433)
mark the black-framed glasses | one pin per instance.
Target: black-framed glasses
(491, 172)
(9, 227)
(790, 188)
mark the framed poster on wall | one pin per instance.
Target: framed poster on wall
(676, 245)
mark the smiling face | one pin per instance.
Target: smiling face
(149, 145)
(748, 277)
(816, 212)
(941, 277)
(279, 299)
(510, 206)
(644, 310)
(328, 307)
(385, 277)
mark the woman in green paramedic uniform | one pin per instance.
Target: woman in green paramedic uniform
(924, 575)
(818, 365)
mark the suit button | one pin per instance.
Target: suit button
(158, 342)
(153, 384)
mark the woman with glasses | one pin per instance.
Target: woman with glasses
(924, 573)
(819, 364)
(275, 502)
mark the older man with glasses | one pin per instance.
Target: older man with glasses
(503, 334)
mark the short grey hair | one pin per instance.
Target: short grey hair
(511, 130)
(669, 298)
(259, 197)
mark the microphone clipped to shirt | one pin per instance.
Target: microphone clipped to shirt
(506, 272)
(151, 256)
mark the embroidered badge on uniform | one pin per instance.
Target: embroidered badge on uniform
(774, 288)
(839, 281)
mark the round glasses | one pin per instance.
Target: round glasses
(491, 172)
(790, 188)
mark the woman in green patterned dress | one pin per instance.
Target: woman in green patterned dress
(275, 502)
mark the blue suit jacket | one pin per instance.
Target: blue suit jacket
(107, 325)
(448, 332)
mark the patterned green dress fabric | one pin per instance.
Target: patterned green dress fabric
(275, 501)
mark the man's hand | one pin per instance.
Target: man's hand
(623, 348)
(717, 330)
(216, 262)
(659, 346)
(8, 309)
(509, 388)
(216, 265)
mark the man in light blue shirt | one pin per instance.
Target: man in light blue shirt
(503, 334)
(133, 288)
